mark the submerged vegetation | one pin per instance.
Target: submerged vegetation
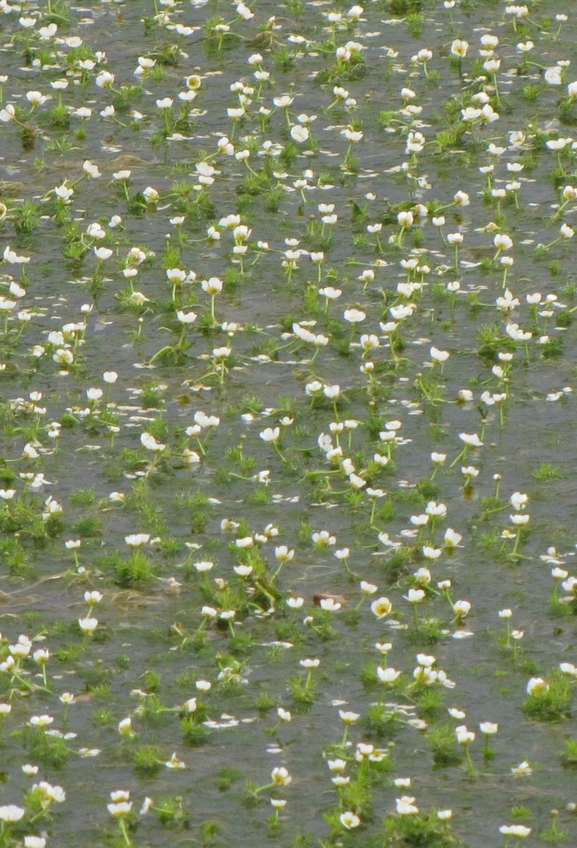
(287, 362)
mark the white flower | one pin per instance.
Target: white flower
(381, 607)
(50, 792)
(349, 820)
(150, 195)
(41, 656)
(280, 776)
(536, 685)
(553, 75)
(329, 604)
(29, 770)
(11, 813)
(451, 538)
(349, 717)
(522, 770)
(519, 520)
(354, 316)
(439, 355)
(148, 441)
(105, 79)
(519, 831)
(7, 114)
(93, 597)
(96, 231)
(519, 500)
(299, 134)
(387, 675)
(213, 285)
(244, 12)
(406, 806)
(125, 728)
(91, 170)
(88, 625)
(270, 434)
(459, 48)
(310, 663)
(119, 810)
(415, 596)
(464, 736)
(356, 481)
(489, 41)
(34, 842)
(63, 192)
(41, 721)
(283, 554)
(176, 275)
(472, 440)
(137, 540)
(323, 538)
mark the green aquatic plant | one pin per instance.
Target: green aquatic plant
(548, 700)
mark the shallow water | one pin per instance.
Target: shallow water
(145, 639)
